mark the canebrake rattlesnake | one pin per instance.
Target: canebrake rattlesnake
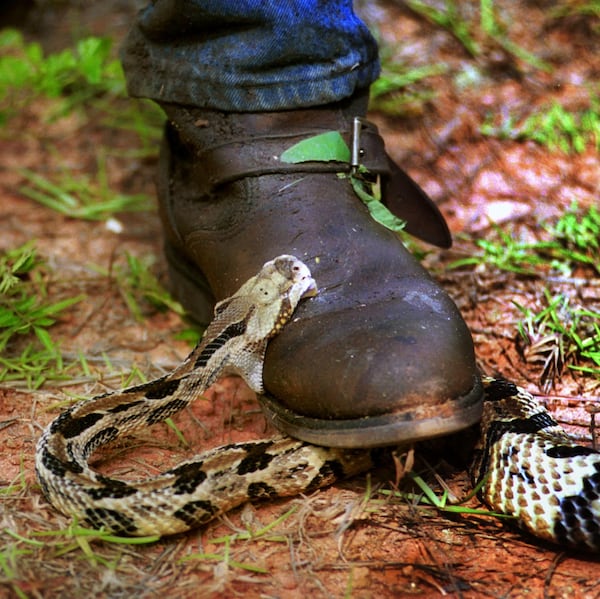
(528, 466)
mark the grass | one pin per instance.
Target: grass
(262, 534)
(87, 79)
(583, 9)
(497, 31)
(139, 287)
(561, 333)
(74, 75)
(429, 498)
(73, 542)
(27, 350)
(9, 559)
(29, 354)
(449, 17)
(81, 196)
(574, 243)
(504, 253)
(402, 90)
(555, 127)
(75, 536)
(399, 91)
(489, 27)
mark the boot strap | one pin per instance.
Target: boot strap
(253, 154)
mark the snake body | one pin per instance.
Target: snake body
(526, 464)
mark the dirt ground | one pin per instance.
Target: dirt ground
(352, 539)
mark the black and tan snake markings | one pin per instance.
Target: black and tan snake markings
(529, 466)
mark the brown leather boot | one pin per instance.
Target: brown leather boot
(381, 355)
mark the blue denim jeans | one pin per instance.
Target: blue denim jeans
(249, 55)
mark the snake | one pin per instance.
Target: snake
(524, 464)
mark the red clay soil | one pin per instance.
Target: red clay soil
(354, 539)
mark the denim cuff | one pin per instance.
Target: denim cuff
(249, 56)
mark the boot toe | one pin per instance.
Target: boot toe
(398, 369)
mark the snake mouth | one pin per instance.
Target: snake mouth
(311, 291)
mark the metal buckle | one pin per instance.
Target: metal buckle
(357, 151)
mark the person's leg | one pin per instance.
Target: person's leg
(381, 355)
(249, 55)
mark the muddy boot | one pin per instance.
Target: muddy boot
(381, 355)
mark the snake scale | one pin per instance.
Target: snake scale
(527, 465)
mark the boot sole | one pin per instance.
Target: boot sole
(375, 431)
(190, 287)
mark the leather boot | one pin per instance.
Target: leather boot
(381, 355)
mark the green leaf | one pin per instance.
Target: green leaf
(378, 211)
(322, 148)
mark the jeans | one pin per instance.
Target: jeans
(249, 55)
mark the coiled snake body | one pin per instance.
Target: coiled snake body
(527, 464)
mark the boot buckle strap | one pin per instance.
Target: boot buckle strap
(257, 155)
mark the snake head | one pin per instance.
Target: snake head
(245, 322)
(274, 294)
(293, 277)
(292, 281)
